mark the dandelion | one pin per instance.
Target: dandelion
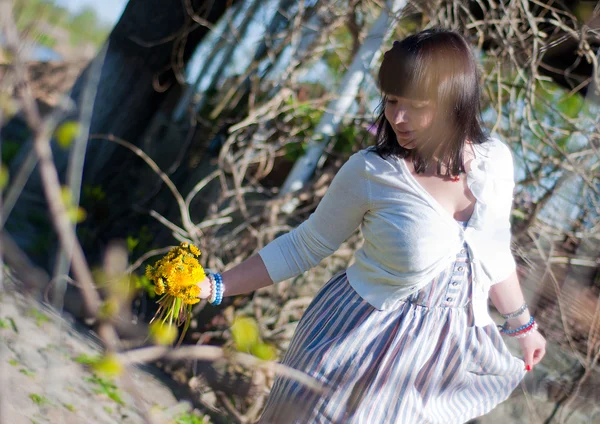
(175, 277)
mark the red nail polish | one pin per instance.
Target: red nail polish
(528, 367)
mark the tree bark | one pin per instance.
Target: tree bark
(150, 44)
(146, 51)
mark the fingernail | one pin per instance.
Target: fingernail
(527, 367)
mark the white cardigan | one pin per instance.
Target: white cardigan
(409, 238)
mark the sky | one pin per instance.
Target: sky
(108, 11)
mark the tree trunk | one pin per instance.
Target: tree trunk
(146, 50)
(152, 42)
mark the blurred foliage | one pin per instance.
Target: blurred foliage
(8, 106)
(76, 213)
(246, 337)
(10, 149)
(106, 387)
(108, 366)
(142, 283)
(348, 137)
(3, 176)
(39, 400)
(304, 116)
(83, 27)
(191, 418)
(163, 334)
(86, 359)
(66, 133)
(338, 58)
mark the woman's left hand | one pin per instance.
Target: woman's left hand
(533, 347)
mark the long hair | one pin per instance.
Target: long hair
(437, 65)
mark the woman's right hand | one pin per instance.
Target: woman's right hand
(205, 288)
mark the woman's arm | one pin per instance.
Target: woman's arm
(339, 213)
(245, 277)
(248, 276)
(507, 297)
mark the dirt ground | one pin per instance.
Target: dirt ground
(44, 378)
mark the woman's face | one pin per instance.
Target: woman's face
(409, 118)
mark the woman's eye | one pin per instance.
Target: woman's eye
(392, 101)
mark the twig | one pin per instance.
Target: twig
(214, 353)
(145, 256)
(187, 223)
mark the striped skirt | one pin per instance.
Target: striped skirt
(424, 362)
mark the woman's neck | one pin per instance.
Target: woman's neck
(431, 165)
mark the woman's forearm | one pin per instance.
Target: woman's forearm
(507, 297)
(246, 277)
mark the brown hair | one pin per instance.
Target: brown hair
(437, 65)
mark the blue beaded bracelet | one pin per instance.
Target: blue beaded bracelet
(219, 288)
(504, 327)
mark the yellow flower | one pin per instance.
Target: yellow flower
(176, 275)
(150, 272)
(192, 301)
(159, 287)
(194, 291)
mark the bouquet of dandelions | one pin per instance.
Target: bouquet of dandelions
(175, 277)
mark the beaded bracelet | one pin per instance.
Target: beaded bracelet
(528, 332)
(219, 288)
(216, 287)
(504, 328)
(516, 313)
(213, 292)
(523, 330)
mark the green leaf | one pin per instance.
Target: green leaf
(66, 133)
(4, 176)
(132, 243)
(571, 105)
(27, 372)
(13, 324)
(177, 308)
(264, 351)
(39, 400)
(76, 214)
(106, 387)
(87, 359)
(163, 334)
(39, 317)
(245, 333)
(109, 309)
(108, 365)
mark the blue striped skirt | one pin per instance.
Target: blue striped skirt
(424, 362)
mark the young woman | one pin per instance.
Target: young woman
(403, 335)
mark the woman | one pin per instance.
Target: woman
(403, 335)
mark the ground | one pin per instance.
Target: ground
(44, 377)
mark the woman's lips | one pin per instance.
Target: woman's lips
(404, 134)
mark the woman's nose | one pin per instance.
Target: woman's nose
(400, 115)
